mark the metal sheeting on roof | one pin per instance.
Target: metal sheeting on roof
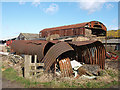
(66, 27)
(80, 43)
(8, 38)
(112, 41)
(91, 24)
(55, 51)
(30, 35)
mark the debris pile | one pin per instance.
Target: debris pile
(14, 61)
(65, 59)
(67, 68)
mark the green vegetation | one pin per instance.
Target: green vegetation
(111, 73)
(101, 84)
(102, 73)
(113, 33)
(12, 75)
(93, 85)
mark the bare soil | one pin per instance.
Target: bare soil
(10, 84)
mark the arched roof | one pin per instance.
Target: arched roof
(90, 24)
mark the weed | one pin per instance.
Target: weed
(110, 84)
(81, 86)
(102, 73)
(111, 73)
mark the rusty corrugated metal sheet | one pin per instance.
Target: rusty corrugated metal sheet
(75, 29)
(54, 52)
(29, 47)
(66, 27)
(54, 41)
(79, 43)
(91, 52)
(91, 24)
(65, 67)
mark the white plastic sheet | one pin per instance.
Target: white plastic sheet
(75, 65)
(4, 53)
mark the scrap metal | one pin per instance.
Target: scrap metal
(55, 51)
(89, 52)
(65, 67)
(29, 47)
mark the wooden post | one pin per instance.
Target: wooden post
(35, 59)
(106, 41)
(27, 65)
(55, 68)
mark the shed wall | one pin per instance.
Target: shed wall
(64, 32)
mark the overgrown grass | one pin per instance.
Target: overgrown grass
(101, 84)
(112, 73)
(67, 85)
(102, 73)
(108, 85)
(12, 75)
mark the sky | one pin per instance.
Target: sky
(32, 17)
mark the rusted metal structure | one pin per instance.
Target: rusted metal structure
(54, 52)
(97, 28)
(89, 52)
(30, 47)
(48, 52)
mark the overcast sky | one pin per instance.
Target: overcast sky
(32, 17)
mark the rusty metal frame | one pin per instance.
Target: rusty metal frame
(95, 52)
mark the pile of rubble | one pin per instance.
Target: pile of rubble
(14, 61)
(76, 69)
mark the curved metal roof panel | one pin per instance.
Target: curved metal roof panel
(54, 52)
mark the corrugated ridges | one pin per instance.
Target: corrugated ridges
(54, 52)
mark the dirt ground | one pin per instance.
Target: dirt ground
(10, 84)
(112, 64)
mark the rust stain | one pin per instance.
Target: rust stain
(65, 67)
